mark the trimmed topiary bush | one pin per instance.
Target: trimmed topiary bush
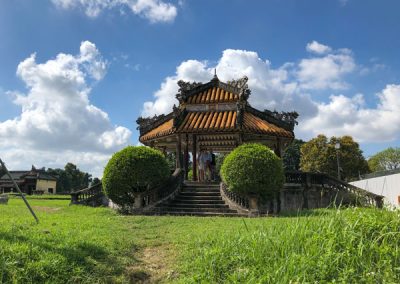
(133, 169)
(253, 169)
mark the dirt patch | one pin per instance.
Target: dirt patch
(154, 266)
(46, 209)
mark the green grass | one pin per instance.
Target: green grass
(74, 244)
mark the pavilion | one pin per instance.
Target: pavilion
(215, 116)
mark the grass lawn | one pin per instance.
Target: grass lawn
(75, 244)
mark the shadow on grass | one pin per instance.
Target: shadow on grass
(82, 260)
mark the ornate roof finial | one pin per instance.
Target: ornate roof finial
(215, 78)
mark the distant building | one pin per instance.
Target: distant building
(30, 182)
(384, 183)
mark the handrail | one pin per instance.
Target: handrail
(326, 181)
(84, 195)
(235, 200)
(154, 196)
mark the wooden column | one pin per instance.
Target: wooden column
(278, 149)
(194, 155)
(186, 157)
(179, 152)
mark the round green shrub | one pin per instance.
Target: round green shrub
(253, 169)
(133, 169)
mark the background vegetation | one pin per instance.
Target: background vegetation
(319, 155)
(291, 156)
(71, 178)
(388, 159)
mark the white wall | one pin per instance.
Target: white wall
(388, 186)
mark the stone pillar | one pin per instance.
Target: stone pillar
(194, 155)
(278, 149)
(179, 152)
(253, 204)
(186, 157)
(138, 201)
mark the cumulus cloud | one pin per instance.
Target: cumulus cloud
(153, 10)
(286, 88)
(270, 87)
(326, 72)
(318, 48)
(350, 116)
(57, 116)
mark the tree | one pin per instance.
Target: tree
(291, 156)
(95, 181)
(388, 159)
(70, 178)
(2, 171)
(319, 155)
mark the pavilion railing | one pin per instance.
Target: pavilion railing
(235, 201)
(92, 195)
(363, 197)
(154, 196)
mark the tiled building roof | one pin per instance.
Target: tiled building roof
(162, 130)
(213, 95)
(217, 121)
(216, 107)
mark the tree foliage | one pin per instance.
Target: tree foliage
(253, 169)
(291, 156)
(320, 155)
(2, 171)
(388, 159)
(133, 169)
(70, 178)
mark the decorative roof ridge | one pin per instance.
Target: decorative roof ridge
(187, 89)
(286, 120)
(146, 124)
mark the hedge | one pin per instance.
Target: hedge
(253, 169)
(133, 169)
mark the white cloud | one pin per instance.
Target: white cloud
(284, 88)
(153, 10)
(318, 48)
(325, 72)
(57, 118)
(270, 87)
(343, 115)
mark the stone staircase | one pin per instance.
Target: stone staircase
(196, 199)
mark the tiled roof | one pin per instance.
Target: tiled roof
(213, 95)
(15, 175)
(161, 130)
(255, 124)
(217, 121)
(20, 175)
(209, 121)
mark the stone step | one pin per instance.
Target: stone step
(202, 193)
(191, 205)
(196, 198)
(201, 201)
(188, 183)
(199, 214)
(189, 209)
(201, 186)
(201, 189)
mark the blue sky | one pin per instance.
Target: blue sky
(334, 61)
